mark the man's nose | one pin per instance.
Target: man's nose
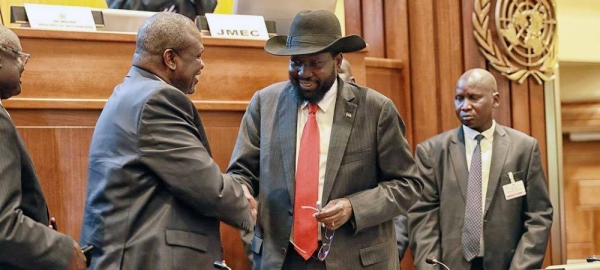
(466, 105)
(304, 71)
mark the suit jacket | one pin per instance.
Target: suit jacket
(154, 194)
(515, 231)
(26, 242)
(369, 162)
(188, 8)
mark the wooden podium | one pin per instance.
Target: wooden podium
(71, 74)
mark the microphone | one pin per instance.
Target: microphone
(433, 260)
(221, 265)
(592, 259)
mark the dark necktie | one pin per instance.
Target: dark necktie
(307, 186)
(473, 224)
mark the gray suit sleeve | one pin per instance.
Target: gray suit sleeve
(398, 175)
(245, 160)
(401, 235)
(170, 147)
(531, 249)
(423, 217)
(24, 242)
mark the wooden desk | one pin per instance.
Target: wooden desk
(71, 74)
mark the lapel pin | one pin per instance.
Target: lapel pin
(349, 115)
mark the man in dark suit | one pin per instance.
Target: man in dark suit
(319, 139)
(154, 195)
(188, 8)
(26, 241)
(485, 204)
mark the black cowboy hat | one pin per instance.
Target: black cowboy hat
(314, 32)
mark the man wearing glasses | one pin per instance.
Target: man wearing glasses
(26, 241)
(319, 141)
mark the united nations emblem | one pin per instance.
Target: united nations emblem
(526, 31)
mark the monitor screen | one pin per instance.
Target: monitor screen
(282, 12)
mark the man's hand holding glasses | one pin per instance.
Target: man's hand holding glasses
(335, 214)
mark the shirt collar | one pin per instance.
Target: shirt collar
(325, 103)
(488, 134)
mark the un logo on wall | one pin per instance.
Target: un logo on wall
(526, 37)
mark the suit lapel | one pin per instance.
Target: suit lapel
(500, 149)
(343, 120)
(288, 117)
(459, 160)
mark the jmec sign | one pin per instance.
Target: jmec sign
(237, 32)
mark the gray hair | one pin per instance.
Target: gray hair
(8, 37)
(163, 31)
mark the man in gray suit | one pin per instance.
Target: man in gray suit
(358, 164)
(26, 241)
(154, 195)
(485, 204)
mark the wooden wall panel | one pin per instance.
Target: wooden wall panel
(396, 29)
(538, 118)
(449, 63)
(471, 56)
(503, 113)
(373, 27)
(423, 69)
(385, 76)
(353, 16)
(60, 157)
(519, 96)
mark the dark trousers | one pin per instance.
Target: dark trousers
(477, 263)
(294, 261)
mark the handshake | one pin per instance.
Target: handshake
(251, 202)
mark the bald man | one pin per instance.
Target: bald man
(154, 195)
(26, 241)
(485, 204)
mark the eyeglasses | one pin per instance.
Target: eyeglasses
(23, 56)
(325, 246)
(326, 243)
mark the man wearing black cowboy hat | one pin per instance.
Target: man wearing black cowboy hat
(318, 141)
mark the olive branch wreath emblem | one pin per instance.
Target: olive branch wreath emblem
(489, 49)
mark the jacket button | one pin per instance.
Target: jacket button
(291, 211)
(485, 221)
(283, 250)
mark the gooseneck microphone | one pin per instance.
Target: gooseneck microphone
(221, 265)
(592, 259)
(433, 260)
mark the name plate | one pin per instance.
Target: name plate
(237, 26)
(60, 17)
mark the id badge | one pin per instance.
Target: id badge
(515, 189)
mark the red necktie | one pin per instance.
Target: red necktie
(307, 186)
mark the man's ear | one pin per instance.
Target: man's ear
(169, 59)
(338, 61)
(496, 100)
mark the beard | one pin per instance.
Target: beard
(312, 96)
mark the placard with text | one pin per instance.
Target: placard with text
(237, 26)
(60, 17)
